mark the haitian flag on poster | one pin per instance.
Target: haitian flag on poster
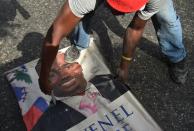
(34, 113)
(104, 106)
(124, 113)
(31, 101)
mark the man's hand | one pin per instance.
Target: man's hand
(123, 75)
(123, 71)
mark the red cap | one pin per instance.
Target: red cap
(127, 6)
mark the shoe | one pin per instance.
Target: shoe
(179, 71)
(72, 54)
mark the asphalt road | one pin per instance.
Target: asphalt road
(23, 25)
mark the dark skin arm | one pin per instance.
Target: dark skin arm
(61, 27)
(131, 39)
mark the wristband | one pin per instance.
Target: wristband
(127, 58)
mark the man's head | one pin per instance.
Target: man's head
(127, 6)
(62, 76)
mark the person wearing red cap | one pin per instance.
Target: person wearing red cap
(166, 22)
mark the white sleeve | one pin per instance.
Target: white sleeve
(151, 8)
(81, 7)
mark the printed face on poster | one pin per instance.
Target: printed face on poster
(95, 102)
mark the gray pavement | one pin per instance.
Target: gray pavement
(23, 25)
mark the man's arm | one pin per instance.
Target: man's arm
(131, 39)
(61, 27)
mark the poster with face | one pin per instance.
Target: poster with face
(85, 97)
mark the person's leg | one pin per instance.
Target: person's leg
(169, 33)
(81, 34)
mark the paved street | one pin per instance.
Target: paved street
(23, 25)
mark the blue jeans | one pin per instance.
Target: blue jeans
(169, 32)
(167, 26)
(80, 35)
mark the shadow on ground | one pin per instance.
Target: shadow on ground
(8, 10)
(10, 118)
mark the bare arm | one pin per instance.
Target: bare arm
(131, 39)
(61, 27)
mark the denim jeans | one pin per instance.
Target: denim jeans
(80, 36)
(167, 26)
(169, 32)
